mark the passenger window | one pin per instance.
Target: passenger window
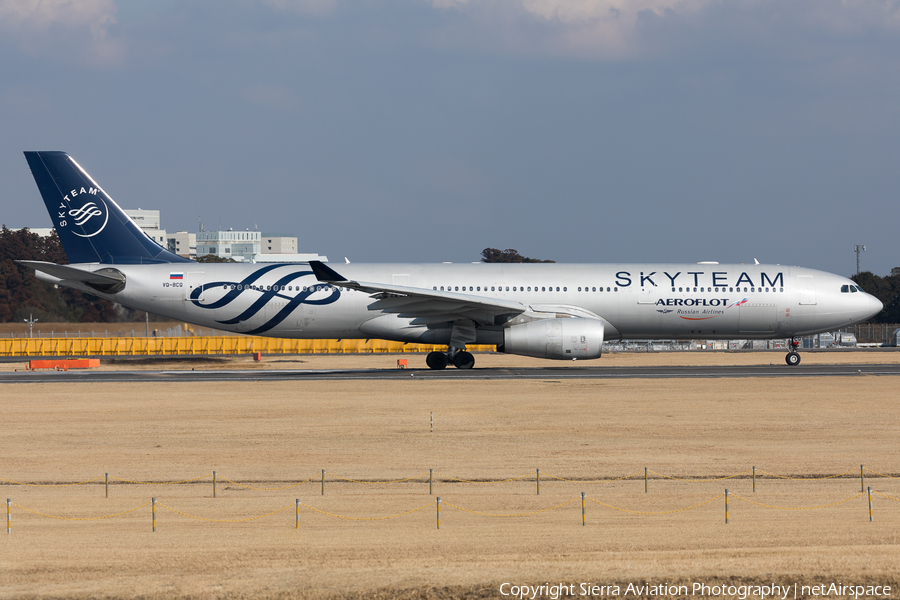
(595, 289)
(564, 289)
(557, 289)
(730, 289)
(679, 289)
(615, 289)
(457, 288)
(579, 289)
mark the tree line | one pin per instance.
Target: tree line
(886, 289)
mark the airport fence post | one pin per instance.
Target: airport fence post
(297, 517)
(438, 512)
(726, 506)
(871, 516)
(583, 516)
(645, 480)
(538, 480)
(8, 516)
(430, 481)
(214, 484)
(754, 479)
(153, 512)
(323, 482)
(862, 479)
(107, 485)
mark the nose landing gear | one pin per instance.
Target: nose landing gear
(792, 358)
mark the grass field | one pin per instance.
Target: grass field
(582, 435)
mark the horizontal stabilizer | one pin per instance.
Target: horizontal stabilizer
(107, 280)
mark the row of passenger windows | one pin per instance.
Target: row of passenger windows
(279, 288)
(731, 289)
(500, 288)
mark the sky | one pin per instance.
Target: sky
(428, 130)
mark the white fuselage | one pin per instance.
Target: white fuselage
(636, 301)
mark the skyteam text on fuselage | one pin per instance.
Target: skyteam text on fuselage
(553, 311)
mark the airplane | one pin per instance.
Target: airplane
(543, 310)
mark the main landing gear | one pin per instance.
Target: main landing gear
(792, 358)
(459, 358)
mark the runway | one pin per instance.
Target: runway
(544, 373)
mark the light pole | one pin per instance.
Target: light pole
(31, 321)
(858, 249)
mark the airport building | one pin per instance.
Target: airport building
(241, 246)
(252, 246)
(148, 220)
(183, 244)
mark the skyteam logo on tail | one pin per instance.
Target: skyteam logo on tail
(91, 216)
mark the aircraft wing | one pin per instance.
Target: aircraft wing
(423, 305)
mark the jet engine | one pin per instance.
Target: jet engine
(560, 339)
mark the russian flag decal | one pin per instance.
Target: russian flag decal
(176, 275)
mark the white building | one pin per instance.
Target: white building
(272, 243)
(252, 246)
(241, 246)
(148, 220)
(183, 244)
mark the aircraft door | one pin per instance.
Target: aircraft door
(193, 280)
(807, 289)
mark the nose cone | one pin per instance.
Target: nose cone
(875, 305)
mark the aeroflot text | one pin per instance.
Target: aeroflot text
(554, 591)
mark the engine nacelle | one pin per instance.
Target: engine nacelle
(560, 339)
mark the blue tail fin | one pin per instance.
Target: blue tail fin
(90, 225)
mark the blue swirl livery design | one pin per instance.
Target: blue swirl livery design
(260, 295)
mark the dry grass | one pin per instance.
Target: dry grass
(269, 434)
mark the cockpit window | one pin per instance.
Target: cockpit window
(854, 289)
(845, 288)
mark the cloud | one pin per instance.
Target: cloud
(616, 29)
(68, 29)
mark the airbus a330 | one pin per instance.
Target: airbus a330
(552, 311)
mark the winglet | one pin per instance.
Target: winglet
(324, 273)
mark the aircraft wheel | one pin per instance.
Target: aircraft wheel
(792, 359)
(436, 360)
(463, 360)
